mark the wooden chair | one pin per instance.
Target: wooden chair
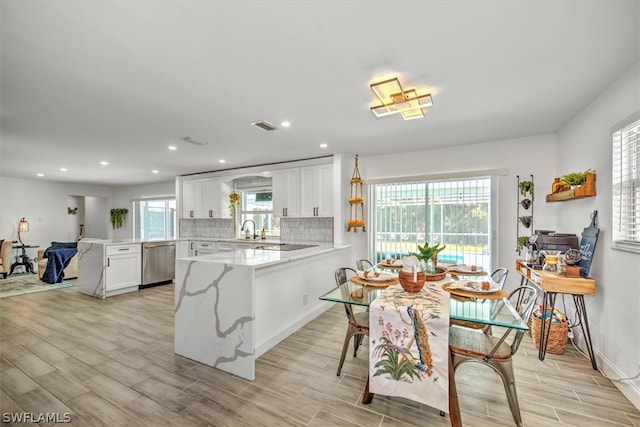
(358, 322)
(469, 345)
(363, 264)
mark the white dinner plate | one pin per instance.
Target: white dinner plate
(383, 277)
(474, 286)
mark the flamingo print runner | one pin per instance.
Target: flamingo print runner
(409, 345)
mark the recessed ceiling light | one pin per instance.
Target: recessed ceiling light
(40, 174)
(103, 163)
(222, 161)
(154, 171)
(173, 148)
(285, 124)
(323, 145)
(63, 169)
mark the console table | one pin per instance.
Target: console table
(24, 259)
(552, 284)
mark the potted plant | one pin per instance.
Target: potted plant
(574, 179)
(526, 220)
(428, 256)
(526, 203)
(523, 241)
(118, 216)
(526, 187)
(571, 258)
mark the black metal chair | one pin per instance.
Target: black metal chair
(358, 322)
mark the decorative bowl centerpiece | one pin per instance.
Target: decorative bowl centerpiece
(440, 274)
(411, 277)
(408, 284)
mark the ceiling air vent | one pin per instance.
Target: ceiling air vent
(193, 141)
(264, 125)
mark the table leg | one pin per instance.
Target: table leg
(367, 397)
(581, 314)
(548, 299)
(454, 406)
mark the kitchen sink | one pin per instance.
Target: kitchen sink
(284, 247)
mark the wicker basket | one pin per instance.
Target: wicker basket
(440, 274)
(407, 283)
(558, 335)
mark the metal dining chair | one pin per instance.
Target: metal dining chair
(469, 345)
(500, 276)
(364, 264)
(358, 322)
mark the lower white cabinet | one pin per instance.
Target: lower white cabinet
(123, 269)
(106, 269)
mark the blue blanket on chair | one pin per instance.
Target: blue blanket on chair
(57, 261)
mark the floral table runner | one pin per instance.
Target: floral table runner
(409, 345)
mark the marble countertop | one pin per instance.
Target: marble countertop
(122, 241)
(261, 257)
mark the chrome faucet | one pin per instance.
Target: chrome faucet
(255, 234)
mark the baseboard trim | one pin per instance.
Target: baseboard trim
(630, 390)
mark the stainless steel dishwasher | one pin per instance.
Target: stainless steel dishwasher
(158, 263)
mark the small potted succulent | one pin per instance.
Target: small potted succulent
(571, 258)
(526, 187)
(575, 179)
(523, 242)
(428, 256)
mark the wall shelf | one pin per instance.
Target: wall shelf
(588, 189)
(565, 195)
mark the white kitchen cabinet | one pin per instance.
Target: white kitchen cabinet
(192, 198)
(204, 198)
(316, 190)
(204, 248)
(106, 269)
(286, 192)
(123, 267)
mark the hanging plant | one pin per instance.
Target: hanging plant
(118, 215)
(526, 220)
(526, 187)
(523, 241)
(234, 202)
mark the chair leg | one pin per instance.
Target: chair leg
(505, 369)
(347, 337)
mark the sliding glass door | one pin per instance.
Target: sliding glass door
(456, 212)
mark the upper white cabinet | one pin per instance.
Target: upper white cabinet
(203, 198)
(316, 190)
(285, 190)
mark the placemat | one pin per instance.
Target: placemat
(359, 280)
(454, 271)
(390, 266)
(470, 294)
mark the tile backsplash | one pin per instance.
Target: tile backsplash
(291, 229)
(306, 229)
(207, 227)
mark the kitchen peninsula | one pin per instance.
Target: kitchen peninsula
(231, 307)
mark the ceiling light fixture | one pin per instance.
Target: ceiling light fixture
(40, 174)
(173, 147)
(323, 145)
(63, 169)
(154, 171)
(193, 141)
(103, 163)
(222, 161)
(285, 124)
(396, 100)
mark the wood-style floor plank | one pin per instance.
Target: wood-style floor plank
(111, 362)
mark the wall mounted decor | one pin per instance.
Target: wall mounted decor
(356, 201)
(118, 215)
(72, 211)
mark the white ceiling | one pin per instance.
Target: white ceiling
(120, 81)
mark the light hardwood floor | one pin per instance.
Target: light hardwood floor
(111, 362)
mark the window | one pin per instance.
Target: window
(626, 187)
(456, 212)
(256, 205)
(157, 219)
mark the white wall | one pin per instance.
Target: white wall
(585, 142)
(123, 198)
(523, 156)
(44, 204)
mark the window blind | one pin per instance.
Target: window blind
(626, 187)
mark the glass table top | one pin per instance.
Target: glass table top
(495, 312)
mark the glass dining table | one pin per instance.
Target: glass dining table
(491, 312)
